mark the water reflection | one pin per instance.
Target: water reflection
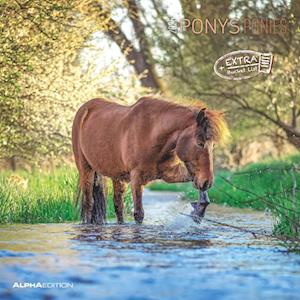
(133, 235)
(169, 257)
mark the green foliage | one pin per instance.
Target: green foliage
(271, 185)
(44, 197)
(49, 61)
(188, 59)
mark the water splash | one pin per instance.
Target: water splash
(158, 260)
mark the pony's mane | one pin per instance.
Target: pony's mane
(219, 128)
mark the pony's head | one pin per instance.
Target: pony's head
(196, 143)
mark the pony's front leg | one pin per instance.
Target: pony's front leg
(137, 193)
(119, 189)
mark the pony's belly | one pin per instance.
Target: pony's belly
(112, 171)
(122, 177)
(146, 175)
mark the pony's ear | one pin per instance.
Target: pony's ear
(201, 117)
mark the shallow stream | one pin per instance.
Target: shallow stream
(168, 257)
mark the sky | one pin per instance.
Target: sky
(104, 51)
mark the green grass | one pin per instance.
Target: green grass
(271, 185)
(47, 197)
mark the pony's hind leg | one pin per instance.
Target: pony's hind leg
(119, 189)
(86, 184)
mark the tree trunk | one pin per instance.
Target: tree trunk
(141, 59)
(13, 163)
(136, 58)
(293, 138)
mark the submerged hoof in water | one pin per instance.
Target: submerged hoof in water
(139, 217)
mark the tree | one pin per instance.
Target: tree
(140, 56)
(29, 34)
(188, 61)
(46, 75)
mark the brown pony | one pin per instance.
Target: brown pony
(152, 139)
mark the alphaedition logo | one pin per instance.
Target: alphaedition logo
(42, 285)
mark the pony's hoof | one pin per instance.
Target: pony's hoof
(120, 218)
(139, 217)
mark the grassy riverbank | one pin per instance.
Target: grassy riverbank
(42, 197)
(269, 185)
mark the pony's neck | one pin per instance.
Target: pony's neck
(178, 119)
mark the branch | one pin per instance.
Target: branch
(134, 57)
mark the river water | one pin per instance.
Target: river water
(168, 257)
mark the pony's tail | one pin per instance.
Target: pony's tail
(99, 196)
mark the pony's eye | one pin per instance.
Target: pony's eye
(201, 144)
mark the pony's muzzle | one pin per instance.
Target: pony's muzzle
(206, 185)
(202, 186)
